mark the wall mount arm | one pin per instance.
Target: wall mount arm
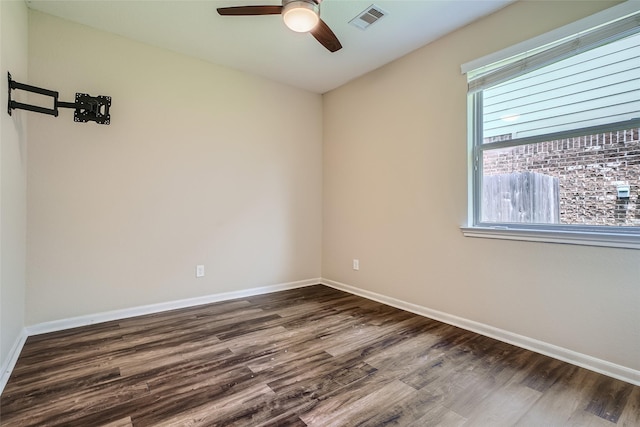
(87, 107)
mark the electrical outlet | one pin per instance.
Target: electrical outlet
(356, 264)
(200, 270)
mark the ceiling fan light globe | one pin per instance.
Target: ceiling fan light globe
(300, 16)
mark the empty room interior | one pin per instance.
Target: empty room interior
(271, 228)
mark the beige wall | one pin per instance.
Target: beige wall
(13, 173)
(395, 195)
(200, 165)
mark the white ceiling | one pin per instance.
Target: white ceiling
(262, 45)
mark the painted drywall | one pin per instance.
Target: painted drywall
(201, 164)
(13, 176)
(395, 195)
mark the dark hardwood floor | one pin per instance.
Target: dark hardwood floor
(313, 356)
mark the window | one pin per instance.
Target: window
(555, 147)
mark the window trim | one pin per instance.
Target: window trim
(596, 235)
(574, 237)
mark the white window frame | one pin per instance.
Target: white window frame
(608, 236)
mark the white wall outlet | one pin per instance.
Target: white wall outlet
(200, 270)
(356, 264)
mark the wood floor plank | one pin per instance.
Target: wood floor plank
(74, 405)
(545, 372)
(631, 413)
(422, 408)
(328, 375)
(421, 360)
(144, 359)
(309, 356)
(229, 409)
(439, 416)
(609, 398)
(355, 408)
(473, 370)
(505, 405)
(562, 400)
(124, 422)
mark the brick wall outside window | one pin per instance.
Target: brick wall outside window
(589, 169)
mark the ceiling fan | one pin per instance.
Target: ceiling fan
(302, 16)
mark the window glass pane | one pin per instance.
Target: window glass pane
(589, 180)
(597, 87)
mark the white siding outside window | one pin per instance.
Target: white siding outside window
(597, 87)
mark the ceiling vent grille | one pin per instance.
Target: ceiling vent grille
(369, 16)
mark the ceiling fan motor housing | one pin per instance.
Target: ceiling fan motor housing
(300, 15)
(313, 2)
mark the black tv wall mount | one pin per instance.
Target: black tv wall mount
(87, 108)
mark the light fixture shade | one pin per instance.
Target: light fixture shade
(300, 16)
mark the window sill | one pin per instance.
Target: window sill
(611, 240)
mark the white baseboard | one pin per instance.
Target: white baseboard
(10, 363)
(588, 362)
(74, 322)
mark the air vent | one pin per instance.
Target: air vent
(369, 16)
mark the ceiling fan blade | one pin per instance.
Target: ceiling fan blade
(249, 10)
(325, 36)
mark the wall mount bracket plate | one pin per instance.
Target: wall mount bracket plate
(87, 108)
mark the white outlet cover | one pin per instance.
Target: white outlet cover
(199, 270)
